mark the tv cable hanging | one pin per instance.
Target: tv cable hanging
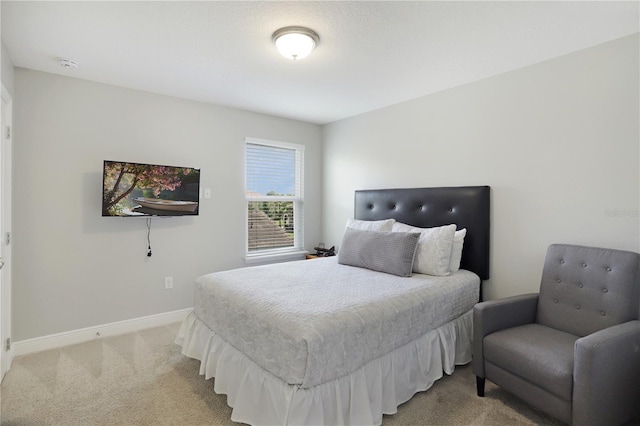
(149, 236)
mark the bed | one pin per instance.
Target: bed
(327, 342)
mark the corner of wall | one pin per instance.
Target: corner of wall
(6, 70)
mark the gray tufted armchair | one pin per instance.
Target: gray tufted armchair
(573, 350)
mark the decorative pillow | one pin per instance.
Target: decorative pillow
(456, 251)
(390, 252)
(433, 254)
(371, 225)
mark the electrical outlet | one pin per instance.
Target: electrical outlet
(168, 283)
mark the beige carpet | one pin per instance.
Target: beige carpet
(142, 379)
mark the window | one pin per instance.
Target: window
(274, 194)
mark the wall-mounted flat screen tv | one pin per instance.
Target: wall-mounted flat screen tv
(136, 189)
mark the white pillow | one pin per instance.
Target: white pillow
(433, 254)
(456, 251)
(371, 225)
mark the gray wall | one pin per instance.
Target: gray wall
(558, 143)
(74, 268)
(6, 70)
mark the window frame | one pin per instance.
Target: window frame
(281, 253)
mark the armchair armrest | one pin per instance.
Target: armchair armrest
(495, 315)
(606, 374)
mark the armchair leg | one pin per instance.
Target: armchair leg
(480, 385)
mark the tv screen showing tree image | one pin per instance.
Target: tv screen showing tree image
(135, 189)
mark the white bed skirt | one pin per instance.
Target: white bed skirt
(361, 398)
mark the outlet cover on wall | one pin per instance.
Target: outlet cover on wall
(168, 283)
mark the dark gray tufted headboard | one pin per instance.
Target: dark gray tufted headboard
(466, 206)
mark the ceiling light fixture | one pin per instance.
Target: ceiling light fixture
(295, 42)
(67, 63)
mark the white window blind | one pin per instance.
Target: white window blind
(274, 194)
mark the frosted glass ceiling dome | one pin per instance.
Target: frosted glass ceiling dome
(295, 42)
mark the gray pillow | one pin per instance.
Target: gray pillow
(390, 252)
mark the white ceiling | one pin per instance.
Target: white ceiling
(370, 55)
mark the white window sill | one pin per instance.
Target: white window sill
(258, 258)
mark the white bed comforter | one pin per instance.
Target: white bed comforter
(310, 322)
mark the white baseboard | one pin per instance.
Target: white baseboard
(52, 341)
